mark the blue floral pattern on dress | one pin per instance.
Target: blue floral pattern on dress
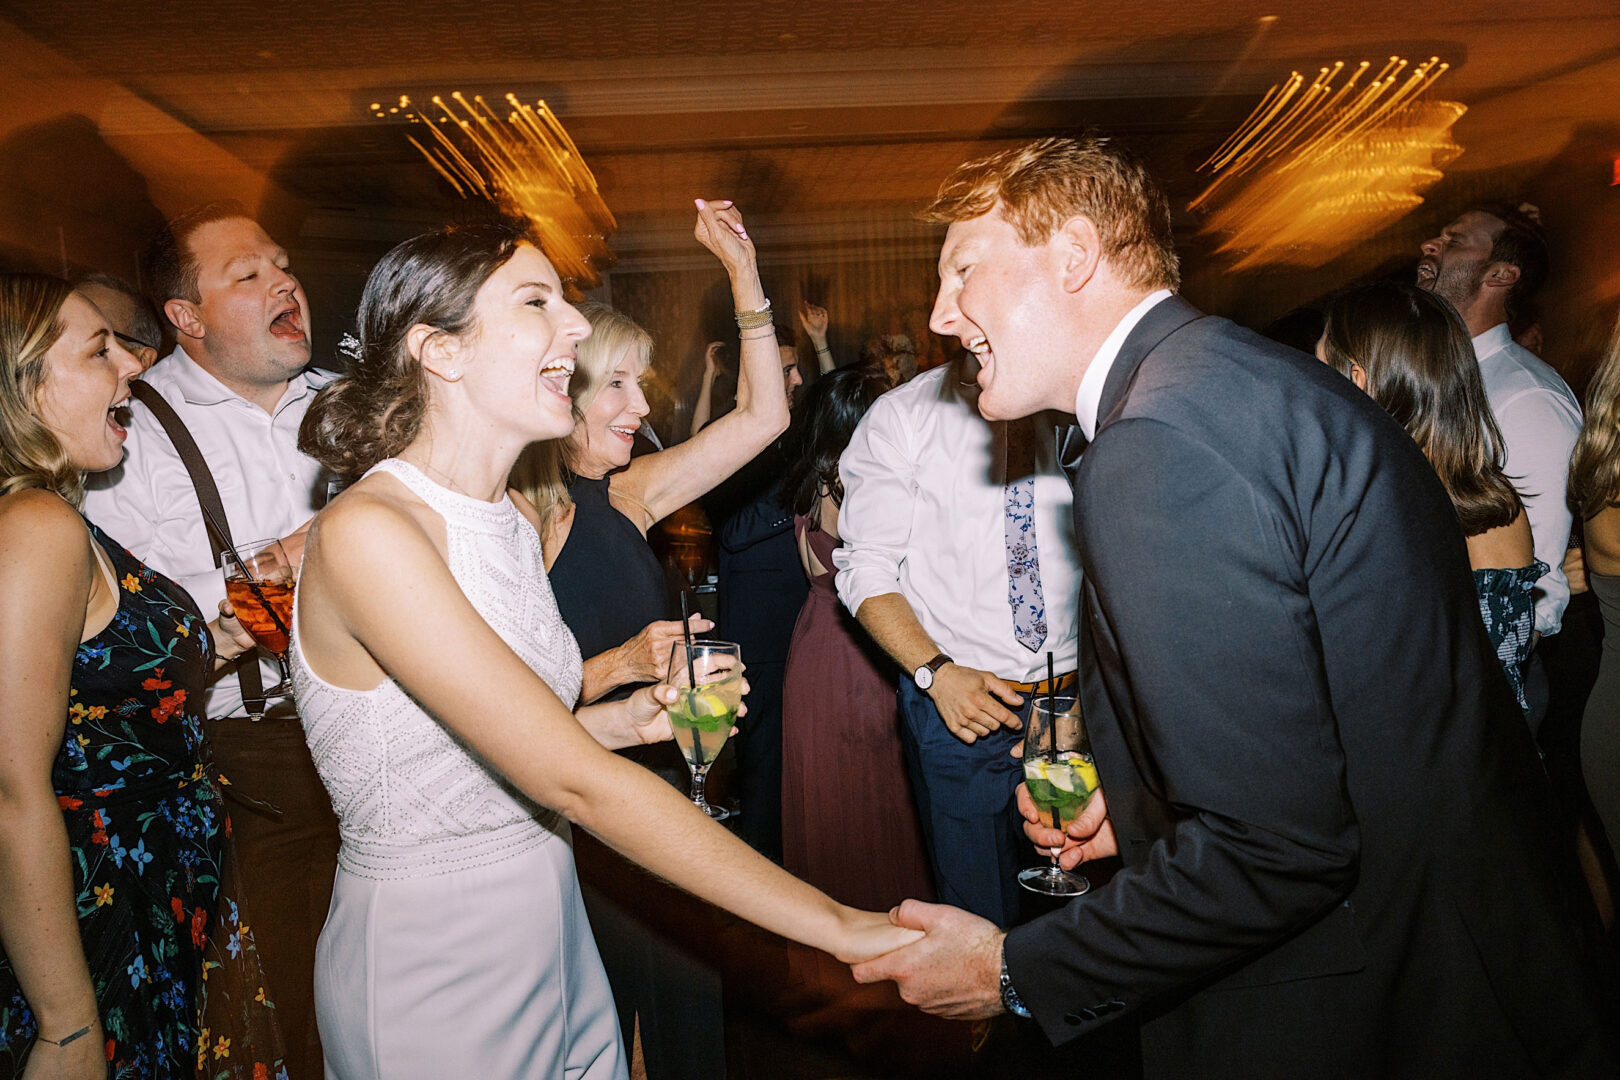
(1507, 604)
(146, 832)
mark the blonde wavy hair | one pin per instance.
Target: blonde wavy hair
(1594, 466)
(545, 469)
(31, 456)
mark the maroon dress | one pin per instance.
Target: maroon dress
(849, 825)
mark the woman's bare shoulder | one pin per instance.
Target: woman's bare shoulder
(39, 526)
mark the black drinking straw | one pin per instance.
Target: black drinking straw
(691, 677)
(1051, 726)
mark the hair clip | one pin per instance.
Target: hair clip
(349, 346)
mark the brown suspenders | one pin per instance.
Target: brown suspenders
(214, 519)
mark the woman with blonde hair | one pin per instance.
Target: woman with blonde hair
(596, 503)
(437, 685)
(111, 829)
(1410, 351)
(1594, 495)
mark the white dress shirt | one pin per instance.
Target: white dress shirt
(1088, 398)
(1540, 419)
(924, 516)
(268, 488)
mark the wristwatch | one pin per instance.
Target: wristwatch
(924, 676)
(1009, 997)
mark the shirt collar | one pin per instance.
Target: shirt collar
(1493, 341)
(199, 387)
(1088, 399)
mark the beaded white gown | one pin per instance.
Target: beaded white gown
(457, 944)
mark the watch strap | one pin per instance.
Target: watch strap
(1009, 997)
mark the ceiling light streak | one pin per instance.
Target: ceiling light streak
(525, 163)
(1318, 165)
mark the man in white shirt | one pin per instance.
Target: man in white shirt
(925, 568)
(236, 380)
(1487, 264)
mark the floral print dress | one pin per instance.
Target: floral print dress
(1507, 603)
(146, 831)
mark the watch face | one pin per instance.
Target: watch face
(924, 677)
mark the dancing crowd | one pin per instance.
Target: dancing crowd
(1308, 607)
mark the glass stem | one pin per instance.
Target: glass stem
(699, 775)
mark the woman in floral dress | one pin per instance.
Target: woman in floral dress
(111, 828)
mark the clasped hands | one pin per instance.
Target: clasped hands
(954, 969)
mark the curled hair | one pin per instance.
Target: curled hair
(1042, 184)
(1594, 466)
(374, 410)
(831, 409)
(168, 265)
(31, 456)
(1420, 366)
(544, 470)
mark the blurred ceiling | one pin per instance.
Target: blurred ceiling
(829, 120)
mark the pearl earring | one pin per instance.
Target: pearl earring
(453, 375)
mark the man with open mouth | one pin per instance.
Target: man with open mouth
(238, 381)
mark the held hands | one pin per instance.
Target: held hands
(814, 321)
(953, 971)
(720, 229)
(1089, 836)
(865, 935)
(967, 701)
(646, 656)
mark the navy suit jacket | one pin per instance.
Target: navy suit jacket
(1340, 857)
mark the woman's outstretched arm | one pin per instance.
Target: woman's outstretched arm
(417, 625)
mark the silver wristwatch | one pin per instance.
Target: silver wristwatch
(1009, 997)
(924, 676)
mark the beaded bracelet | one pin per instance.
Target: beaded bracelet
(753, 320)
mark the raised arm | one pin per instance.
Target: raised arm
(705, 399)
(419, 627)
(668, 480)
(813, 319)
(46, 569)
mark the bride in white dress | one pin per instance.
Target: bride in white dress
(437, 681)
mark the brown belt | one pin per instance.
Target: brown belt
(1057, 686)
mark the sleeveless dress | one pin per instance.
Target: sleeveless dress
(843, 767)
(1508, 606)
(457, 944)
(147, 836)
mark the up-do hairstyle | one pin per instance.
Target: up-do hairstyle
(168, 266)
(1594, 466)
(1042, 184)
(31, 456)
(1420, 366)
(375, 409)
(1523, 243)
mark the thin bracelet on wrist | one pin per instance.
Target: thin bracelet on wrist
(768, 331)
(81, 1033)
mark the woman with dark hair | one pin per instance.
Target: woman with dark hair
(843, 768)
(1594, 494)
(1409, 350)
(112, 834)
(437, 683)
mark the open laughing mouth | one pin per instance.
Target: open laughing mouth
(288, 324)
(1427, 272)
(555, 373)
(118, 417)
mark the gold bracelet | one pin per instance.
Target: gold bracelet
(753, 320)
(770, 331)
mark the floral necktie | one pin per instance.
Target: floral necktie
(1023, 562)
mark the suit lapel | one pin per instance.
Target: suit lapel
(1165, 319)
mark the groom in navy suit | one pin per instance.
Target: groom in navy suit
(1339, 853)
